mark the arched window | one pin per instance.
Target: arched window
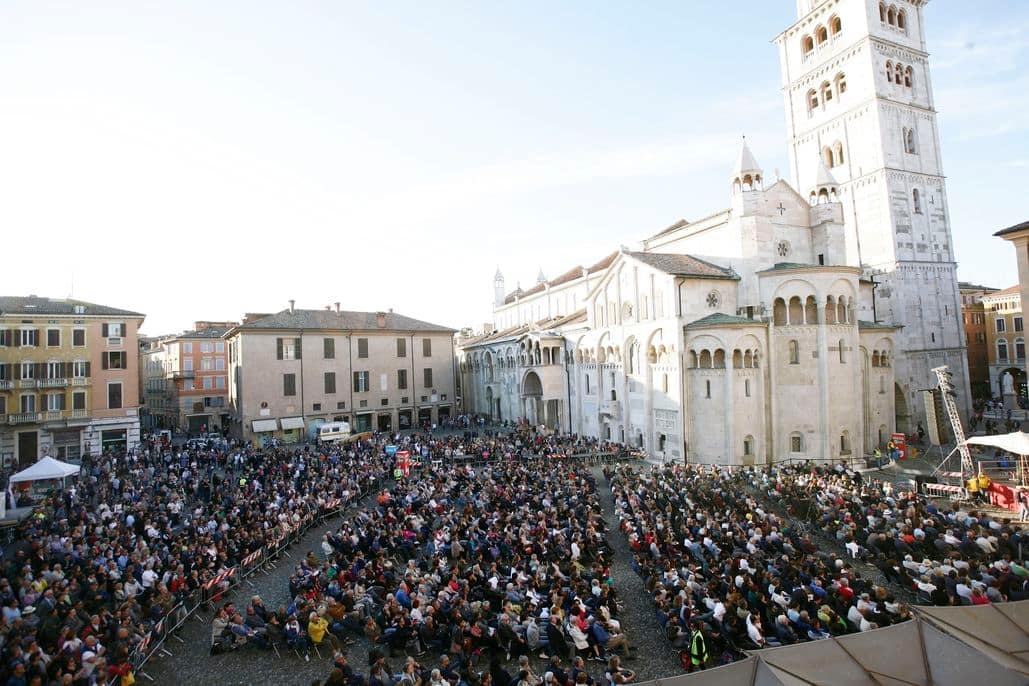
(891, 16)
(1002, 350)
(843, 355)
(807, 45)
(838, 154)
(1020, 349)
(821, 35)
(812, 100)
(845, 443)
(875, 358)
(794, 352)
(841, 84)
(916, 200)
(902, 20)
(835, 26)
(908, 77)
(826, 91)
(827, 156)
(898, 74)
(882, 11)
(889, 70)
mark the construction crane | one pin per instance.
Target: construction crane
(946, 386)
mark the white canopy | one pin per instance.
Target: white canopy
(46, 468)
(1016, 442)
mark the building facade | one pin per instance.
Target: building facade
(186, 379)
(1018, 236)
(859, 100)
(1005, 342)
(294, 370)
(68, 379)
(743, 338)
(976, 335)
(803, 320)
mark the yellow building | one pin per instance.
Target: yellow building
(68, 379)
(1005, 333)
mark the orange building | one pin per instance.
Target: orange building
(186, 379)
(977, 338)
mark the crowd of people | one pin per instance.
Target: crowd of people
(105, 559)
(506, 561)
(728, 573)
(951, 555)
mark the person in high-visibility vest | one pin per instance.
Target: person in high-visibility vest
(698, 646)
(984, 486)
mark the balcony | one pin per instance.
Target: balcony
(6, 385)
(611, 408)
(53, 415)
(180, 374)
(79, 414)
(23, 418)
(27, 383)
(81, 381)
(53, 383)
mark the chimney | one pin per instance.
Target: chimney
(391, 310)
(337, 306)
(328, 307)
(380, 318)
(291, 304)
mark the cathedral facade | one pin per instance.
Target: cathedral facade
(801, 321)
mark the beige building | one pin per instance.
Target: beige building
(1018, 236)
(186, 379)
(1005, 343)
(293, 370)
(68, 379)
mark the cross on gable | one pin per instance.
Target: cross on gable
(781, 209)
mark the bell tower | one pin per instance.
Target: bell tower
(859, 105)
(498, 289)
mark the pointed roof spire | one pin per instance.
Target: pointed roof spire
(745, 163)
(498, 276)
(541, 278)
(824, 178)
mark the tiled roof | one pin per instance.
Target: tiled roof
(677, 225)
(862, 324)
(344, 320)
(719, 319)
(1010, 290)
(570, 275)
(213, 332)
(1013, 229)
(34, 304)
(683, 265)
(603, 264)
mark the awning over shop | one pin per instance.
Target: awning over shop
(292, 423)
(263, 425)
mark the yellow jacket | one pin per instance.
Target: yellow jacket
(316, 629)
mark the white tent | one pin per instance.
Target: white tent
(46, 468)
(1016, 442)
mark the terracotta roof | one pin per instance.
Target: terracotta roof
(684, 265)
(1010, 290)
(344, 321)
(1013, 229)
(213, 332)
(570, 275)
(603, 264)
(34, 304)
(677, 225)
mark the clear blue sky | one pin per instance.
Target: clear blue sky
(197, 160)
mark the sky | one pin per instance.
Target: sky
(198, 160)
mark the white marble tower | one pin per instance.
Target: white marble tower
(859, 101)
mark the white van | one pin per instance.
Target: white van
(332, 432)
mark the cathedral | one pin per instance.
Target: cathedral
(799, 322)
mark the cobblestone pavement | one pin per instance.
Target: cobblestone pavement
(656, 657)
(191, 664)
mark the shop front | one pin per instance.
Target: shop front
(292, 429)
